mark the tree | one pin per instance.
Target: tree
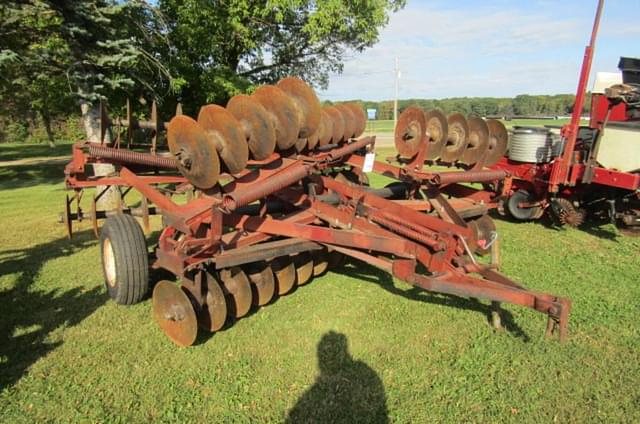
(225, 47)
(92, 49)
(29, 77)
(54, 51)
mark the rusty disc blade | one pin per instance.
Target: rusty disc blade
(301, 144)
(320, 262)
(337, 124)
(349, 121)
(304, 267)
(256, 123)
(314, 138)
(478, 141)
(194, 152)
(410, 132)
(307, 104)
(285, 273)
(174, 313)
(498, 142)
(437, 130)
(236, 285)
(360, 118)
(213, 314)
(327, 129)
(262, 281)
(283, 112)
(226, 133)
(322, 136)
(485, 233)
(457, 138)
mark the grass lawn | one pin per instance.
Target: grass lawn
(18, 151)
(348, 338)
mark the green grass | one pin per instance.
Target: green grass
(386, 126)
(69, 354)
(17, 151)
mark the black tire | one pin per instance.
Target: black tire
(125, 265)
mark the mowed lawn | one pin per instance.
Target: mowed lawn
(352, 345)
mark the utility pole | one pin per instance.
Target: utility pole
(395, 99)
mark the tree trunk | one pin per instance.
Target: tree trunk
(110, 200)
(46, 119)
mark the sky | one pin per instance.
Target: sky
(490, 48)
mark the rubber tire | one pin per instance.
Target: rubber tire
(130, 257)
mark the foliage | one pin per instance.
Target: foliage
(225, 47)
(522, 105)
(54, 52)
(16, 132)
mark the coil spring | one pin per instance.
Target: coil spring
(130, 157)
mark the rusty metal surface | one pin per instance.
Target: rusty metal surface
(320, 262)
(213, 313)
(194, 151)
(360, 118)
(457, 139)
(498, 142)
(337, 124)
(307, 104)
(410, 132)
(349, 121)
(478, 141)
(326, 125)
(174, 313)
(284, 114)
(467, 176)
(237, 198)
(262, 251)
(263, 282)
(257, 125)
(130, 157)
(237, 288)
(225, 131)
(304, 267)
(437, 132)
(285, 272)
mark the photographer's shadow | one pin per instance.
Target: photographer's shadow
(346, 390)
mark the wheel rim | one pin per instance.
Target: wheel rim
(522, 214)
(109, 263)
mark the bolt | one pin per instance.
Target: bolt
(184, 158)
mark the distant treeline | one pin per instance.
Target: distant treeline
(522, 105)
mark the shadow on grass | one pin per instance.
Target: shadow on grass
(346, 390)
(596, 227)
(30, 314)
(602, 229)
(371, 274)
(20, 176)
(18, 151)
